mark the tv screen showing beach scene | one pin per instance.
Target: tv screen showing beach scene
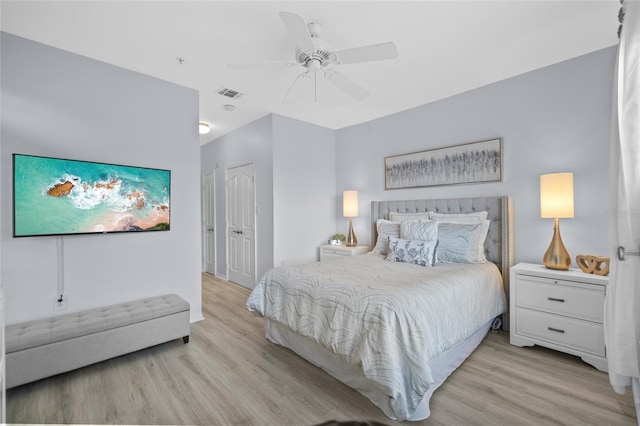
(54, 196)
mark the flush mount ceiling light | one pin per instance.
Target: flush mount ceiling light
(203, 128)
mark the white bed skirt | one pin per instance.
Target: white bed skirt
(442, 365)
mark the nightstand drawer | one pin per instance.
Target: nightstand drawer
(572, 333)
(561, 297)
(337, 252)
(333, 254)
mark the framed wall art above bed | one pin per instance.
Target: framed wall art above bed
(474, 162)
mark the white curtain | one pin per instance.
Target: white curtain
(622, 303)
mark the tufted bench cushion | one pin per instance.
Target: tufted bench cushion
(101, 333)
(40, 332)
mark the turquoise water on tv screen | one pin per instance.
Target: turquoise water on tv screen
(55, 196)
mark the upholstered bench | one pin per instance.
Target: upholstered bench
(45, 347)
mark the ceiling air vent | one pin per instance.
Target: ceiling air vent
(233, 94)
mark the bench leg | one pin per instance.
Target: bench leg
(185, 339)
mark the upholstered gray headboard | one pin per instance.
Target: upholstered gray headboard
(499, 242)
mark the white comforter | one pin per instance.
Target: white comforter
(388, 318)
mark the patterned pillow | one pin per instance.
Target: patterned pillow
(459, 243)
(424, 231)
(386, 229)
(411, 251)
(466, 219)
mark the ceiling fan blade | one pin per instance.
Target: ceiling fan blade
(261, 65)
(298, 30)
(374, 52)
(349, 86)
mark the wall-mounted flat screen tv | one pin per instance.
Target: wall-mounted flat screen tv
(54, 196)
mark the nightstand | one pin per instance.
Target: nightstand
(561, 310)
(329, 251)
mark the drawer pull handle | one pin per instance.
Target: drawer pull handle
(553, 299)
(556, 330)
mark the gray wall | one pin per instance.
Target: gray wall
(55, 103)
(304, 185)
(295, 185)
(252, 142)
(555, 119)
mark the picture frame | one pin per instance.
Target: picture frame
(474, 162)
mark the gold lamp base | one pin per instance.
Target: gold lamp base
(557, 256)
(352, 241)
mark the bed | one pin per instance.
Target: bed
(394, 331)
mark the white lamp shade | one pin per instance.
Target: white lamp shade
(556, 195)
(350, 203)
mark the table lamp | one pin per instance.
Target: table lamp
(556, 202)
(350, 210)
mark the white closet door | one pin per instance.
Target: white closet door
(241, 220)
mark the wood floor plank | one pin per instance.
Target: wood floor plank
(229, 374)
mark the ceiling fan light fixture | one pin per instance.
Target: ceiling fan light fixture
(314, 65)
(203, 128)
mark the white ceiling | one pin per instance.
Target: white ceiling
(445, 47)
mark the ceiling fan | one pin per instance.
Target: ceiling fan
(319, 61)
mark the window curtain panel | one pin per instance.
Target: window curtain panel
(622, 302)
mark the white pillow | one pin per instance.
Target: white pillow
(483, 236)
(401, 217)
(459, 243)
(386, 229)
(418, 252)
(434, 215)
(423, 231)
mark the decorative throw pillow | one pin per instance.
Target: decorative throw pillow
(470, 218)
(424, 231)
(409, 251)
(416, 216)
(459, 243)
(386, 229)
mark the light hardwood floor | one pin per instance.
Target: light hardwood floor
(230, 374)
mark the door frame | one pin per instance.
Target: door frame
(215, 228)
(255, 217)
